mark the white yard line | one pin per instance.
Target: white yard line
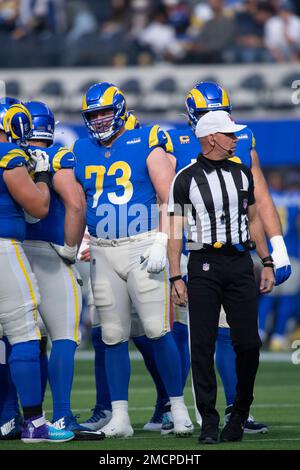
(136, 356)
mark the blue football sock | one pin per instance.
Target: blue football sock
(102, 390)
(43, 364)
(181, 336)
(145, 346)
(225, 362)
(25, 371)
(168, 364)
(60, 374)
(117, 365)
(286, 307)
(9, 405)
(266, 303)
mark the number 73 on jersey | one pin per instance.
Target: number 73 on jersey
(123, 180)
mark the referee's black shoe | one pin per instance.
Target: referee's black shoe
(234, 429)
(209, 434)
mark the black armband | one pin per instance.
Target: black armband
(175, 278)
(43, 177)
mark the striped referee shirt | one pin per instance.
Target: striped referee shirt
(214, 196)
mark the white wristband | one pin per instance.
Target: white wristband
(70, 251)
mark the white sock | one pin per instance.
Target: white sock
(120, 405)
(177, 402)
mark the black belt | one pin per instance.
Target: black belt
(218, 247)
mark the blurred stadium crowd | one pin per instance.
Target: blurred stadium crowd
(47, 33)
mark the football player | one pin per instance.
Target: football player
(19, 291)
(51, 247)
(122, 172)
(102, 410)
(185, 147)
(283, 299)
(10, 416)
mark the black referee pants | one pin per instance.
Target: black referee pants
(215, 279)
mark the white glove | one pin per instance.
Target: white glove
(39, 160)
(281, 260)
(66, 252)
(156, 254)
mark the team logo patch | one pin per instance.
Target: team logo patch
(184, 139)
(206, 266)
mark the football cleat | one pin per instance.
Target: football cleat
(11, 429)
(250, 426)
(118, 426)
(98, 419)
(80, 432)
(167, 426)
(253, 427)
(37, 430)
(183, 426)
(177, 422)
(155, 423)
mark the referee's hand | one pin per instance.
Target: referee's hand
(179, 293)
(267, 280)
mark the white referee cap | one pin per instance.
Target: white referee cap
(217, 121)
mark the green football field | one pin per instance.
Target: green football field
(277, 403)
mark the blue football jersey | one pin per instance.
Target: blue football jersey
(12, 219)
(51, 228)
(121, 200)
(185, 146)
(288, 207)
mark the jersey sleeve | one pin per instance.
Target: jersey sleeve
(75, 148)
(13, 158)
(157, 138)
(62, 159)
(179, 196)
(169, 145)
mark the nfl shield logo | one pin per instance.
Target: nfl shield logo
(245, 204)
(205, 267)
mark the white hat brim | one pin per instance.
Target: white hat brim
(225, 130)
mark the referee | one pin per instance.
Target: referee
(216, 198)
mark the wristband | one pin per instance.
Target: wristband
(267, 259)
(268, 262)
(43, 177)
(175, 278)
